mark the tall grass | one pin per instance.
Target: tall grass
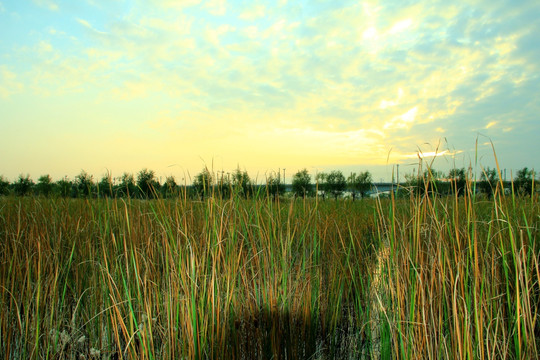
(463, 277)
(181, 279)
(421, 277)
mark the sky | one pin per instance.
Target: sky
(265, 86)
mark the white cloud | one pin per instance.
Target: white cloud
(8, 83)
(403, 121)
(251, 32)
(131, 90)
(429, 154)
(176, 4)
(423, 155)
(84, 23)
(400, 26)
(389, 103)
(253, 13)
(410, 115)
(216, 7)
(370, 33)
(180, 25)
(213, 34)
(87, 25)
(371, 10)
(48, 4)
(44, 47)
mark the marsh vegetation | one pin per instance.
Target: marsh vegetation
(421, 276)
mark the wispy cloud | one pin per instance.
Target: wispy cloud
(87, 25)
(253, 13)
(216, 7)
(176, 4)
(403, 121)
(8, 82)
(400, 26)
(47, 4)
(430, 154)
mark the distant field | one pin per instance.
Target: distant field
(414, 278)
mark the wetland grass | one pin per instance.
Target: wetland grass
(414, 278)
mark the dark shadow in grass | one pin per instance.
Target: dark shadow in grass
(275, 334)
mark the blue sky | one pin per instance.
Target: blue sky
(351, 85)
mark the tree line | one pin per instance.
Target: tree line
(333, 184)
(145, 185)
(456, 181)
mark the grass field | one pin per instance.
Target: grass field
(413, 278)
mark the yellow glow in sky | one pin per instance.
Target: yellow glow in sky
(119, 86)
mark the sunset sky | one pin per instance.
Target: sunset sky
(264, 85)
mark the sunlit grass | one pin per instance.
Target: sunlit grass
(457, 277)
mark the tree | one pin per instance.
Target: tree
(4, 186)
(224, 186)
(202, 184)
(488, 181)
(241, 183)
(105, 186)
(63, 187)
(274, 187)
(301, 183)
(44, 186)
(412, 182)
(336, 183)
(458, 180)
(524, 181)
(147, 183)
(84, 185)
(432, 183)
(127, 187)
(426, 183)
(360, 183)
(170, 188)
(24, 185)
(322, 184)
